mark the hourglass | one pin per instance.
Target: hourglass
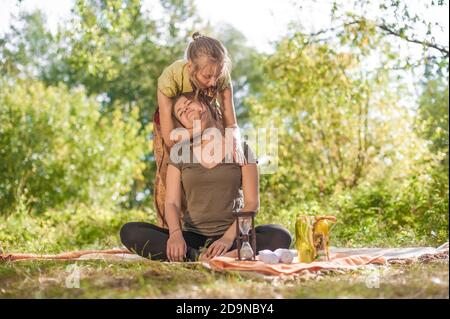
(245, 222)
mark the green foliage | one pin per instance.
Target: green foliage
(115, 49)
(415, 211)
(406, 28)
(433, 115)
(56, 147)
(109, 44)
(75, 108)
(347, 148)
(384, 213)
(27, 48)
(71, 228)
(336, 126)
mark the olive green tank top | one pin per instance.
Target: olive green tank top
(212, 194)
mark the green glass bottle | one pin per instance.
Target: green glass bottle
(304, 239)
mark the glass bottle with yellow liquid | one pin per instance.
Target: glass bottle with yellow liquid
(313, 237)
(304, 239)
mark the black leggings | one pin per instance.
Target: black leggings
(149, 240)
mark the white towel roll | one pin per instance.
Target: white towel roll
(284, 255)
(268, 257)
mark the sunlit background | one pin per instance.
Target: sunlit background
(261, 21)
(357, 90)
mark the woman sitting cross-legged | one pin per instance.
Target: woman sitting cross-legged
(214, 187)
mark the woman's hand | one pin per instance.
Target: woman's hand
(176, 247)
(219, 247)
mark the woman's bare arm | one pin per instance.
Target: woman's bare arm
(229, 114)
(226, 101)
(250, 187)
(165, 115)
(173, 198)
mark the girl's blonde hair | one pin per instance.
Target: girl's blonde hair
(216, 52)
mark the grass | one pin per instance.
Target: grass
(152, 279)
(98, 228)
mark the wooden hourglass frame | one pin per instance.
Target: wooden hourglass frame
(240, 238)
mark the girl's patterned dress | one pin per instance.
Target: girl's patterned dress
(162, 152)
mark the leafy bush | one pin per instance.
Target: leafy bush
(414, 214)
(72, 228)
(56, 148)
(409, 212)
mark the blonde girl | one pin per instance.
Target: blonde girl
(205, 72)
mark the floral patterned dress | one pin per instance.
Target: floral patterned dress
(173, 82)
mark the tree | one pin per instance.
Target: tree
(338, 125)
(26, 50)
(117, 51)
(433, 112)
(401, 24)
(57, 148)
